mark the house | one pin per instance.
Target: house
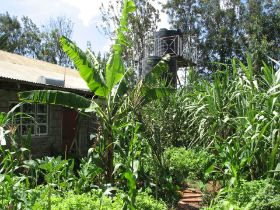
(54, 129)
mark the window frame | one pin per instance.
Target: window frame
(36, 124)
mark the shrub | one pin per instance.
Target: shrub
(13, 192)
(145, 201)
(167, 118)
(258, 194)
(87, 201)
(94, 200)
(187, 164)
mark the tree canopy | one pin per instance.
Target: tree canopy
(141, 25)
(225, 29)
(24, 37)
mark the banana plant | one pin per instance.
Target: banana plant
(109, 84)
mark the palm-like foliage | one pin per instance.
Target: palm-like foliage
(109, 84)
(237, 115)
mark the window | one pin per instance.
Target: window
(35, 120)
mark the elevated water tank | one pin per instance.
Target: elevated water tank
(168, 42)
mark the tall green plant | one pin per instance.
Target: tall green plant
(12, 154)
(237, 115)
(109, 84)
(12, 148)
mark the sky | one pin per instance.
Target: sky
(84, 14)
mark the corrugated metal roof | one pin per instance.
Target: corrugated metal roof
(21, 68)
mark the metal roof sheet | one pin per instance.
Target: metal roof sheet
(21, 68)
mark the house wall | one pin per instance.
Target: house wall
(40, 145)
(51, 144)
(5, 97)
(87, 126)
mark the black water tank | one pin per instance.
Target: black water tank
(163, 32)
(168, 42)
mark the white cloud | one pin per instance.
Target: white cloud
(84, 13)
(88, 9)
(163, 23)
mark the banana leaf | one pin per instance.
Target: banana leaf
(115, 68)
(91, 75)
(55, 97)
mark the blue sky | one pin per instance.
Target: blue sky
(84, 13)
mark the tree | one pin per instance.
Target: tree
(30, 39)
(142, 25)
(51, 50)
(12, 28)
(222, 31)
(3, 41)
(27, 39)
(110, 84)
(228, 28)
(262, 28)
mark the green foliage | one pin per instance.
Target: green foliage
(67, 99)
(23, 37)
(236, 116)
(10, 26)
(87, 201)
(141, 26)
(30, 41)
(232, 118)
(61, 190)
(146, 201)
(49, 35)
(154, 171)
(56, 170)
(94, 200)
(88, 69)
(13, 191)
(187, 164)
(220, 30)
(258, 194)
(59, 174)
(3, 41)
(13, 149)
(167, 117)
(93, 78)
(116, 112)
(109, 83)
(127, 163)
(89, 174)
